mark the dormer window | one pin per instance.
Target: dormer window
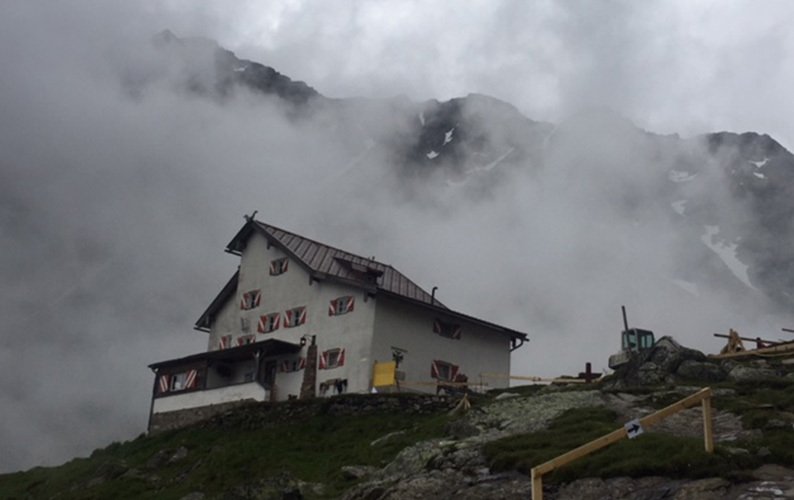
(447, 329)
(250, 300)
(295, 317)
(278, 266)
(341, 305)
(268, 323)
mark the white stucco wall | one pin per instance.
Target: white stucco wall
(479, 350)
(351, 331)
(196, 399)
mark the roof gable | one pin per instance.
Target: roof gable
(326, 262)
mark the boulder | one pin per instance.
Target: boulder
(743, 373)
(701, 371)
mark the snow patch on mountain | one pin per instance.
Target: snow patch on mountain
(680, 176)
(726, 252)
(679, 206)
(422, 118)
(448, 136)
(759, 164)
(431, 155)
(760, 176)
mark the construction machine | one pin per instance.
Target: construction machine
(633, 342)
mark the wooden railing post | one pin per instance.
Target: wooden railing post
(537, 485)
(708, 435)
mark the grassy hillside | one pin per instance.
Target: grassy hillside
(259, 451)
(242, 453)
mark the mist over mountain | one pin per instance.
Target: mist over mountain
(729, 195)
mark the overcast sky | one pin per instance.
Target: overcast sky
(114, 210)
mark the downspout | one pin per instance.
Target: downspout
(433, 295)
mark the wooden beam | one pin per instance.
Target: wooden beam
(780, 349)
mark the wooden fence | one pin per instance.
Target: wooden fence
(702, 396)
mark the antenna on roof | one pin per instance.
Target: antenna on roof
(249, 218)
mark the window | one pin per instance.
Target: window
(225, 342)
(292, 365)
(251, 299)
(245, 325)
(278, 266)
(245, 339)
(442, 370)
(341, 305)
(446, 329)
(181, 381)
(268, 323)
(295, 317)
(332, 358)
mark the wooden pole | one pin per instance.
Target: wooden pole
(708, 434)
(537, 485)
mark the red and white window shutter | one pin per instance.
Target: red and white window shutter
(164, 383)
(446, 329)
(278, 266)
(268, 323)
(245, 339)
(341, 305)
(192, 379)
(251, 299)
(225, 342)
(294, 317)
(332, 358)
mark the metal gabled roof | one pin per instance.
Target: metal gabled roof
(326, 262)
(322, 262)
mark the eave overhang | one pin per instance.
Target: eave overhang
(269, 347)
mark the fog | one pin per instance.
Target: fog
(119, 189)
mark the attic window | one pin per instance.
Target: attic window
(443, 371)
(295, 317)
(341, 305)
(278, 266)
(359, 271)
(268, 323)
(251, 299)
(332, 358)
(447, 329)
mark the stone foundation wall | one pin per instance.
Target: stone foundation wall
(251, 414)
(169, 420)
